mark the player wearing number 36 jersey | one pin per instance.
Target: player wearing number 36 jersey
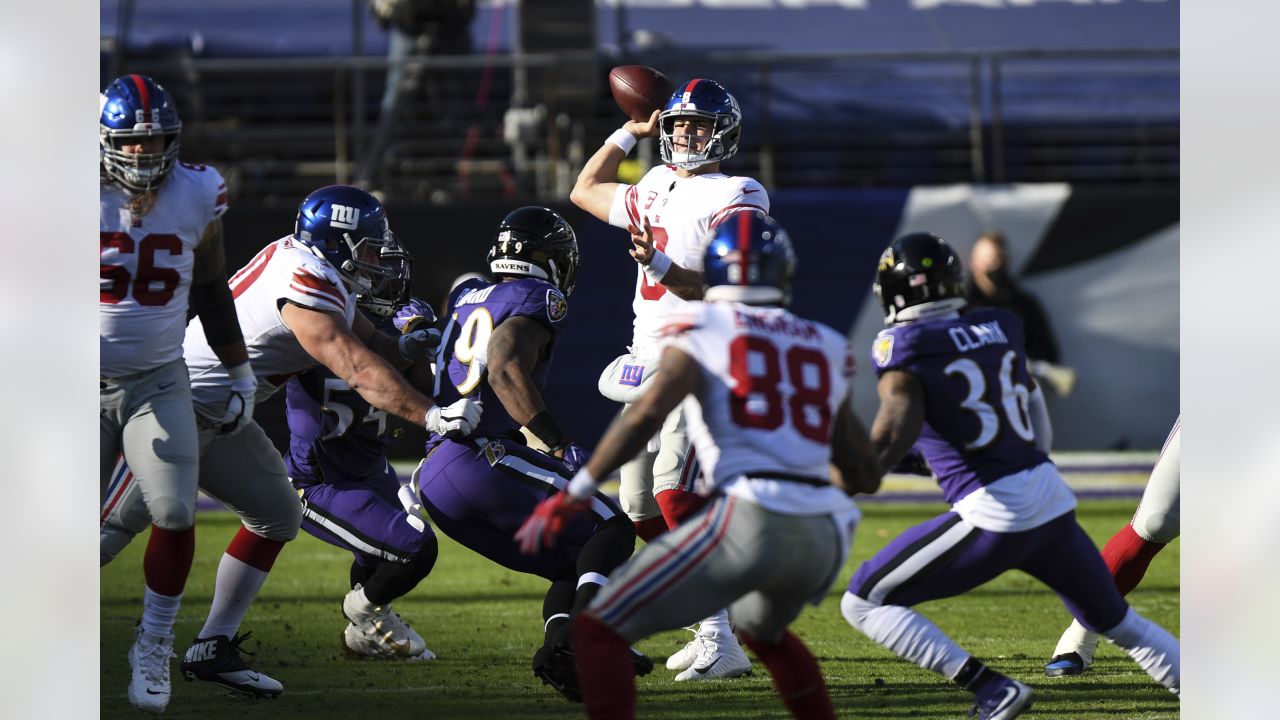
(955, 383)
(766, 396)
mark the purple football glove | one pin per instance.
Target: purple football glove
(412, 316)
(575, 457)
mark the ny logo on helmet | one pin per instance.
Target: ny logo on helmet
(344, 217)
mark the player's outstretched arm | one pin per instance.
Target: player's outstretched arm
(326, 338)
(900, 417)
(855, 466)
(598, 181)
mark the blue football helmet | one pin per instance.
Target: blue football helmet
(133, 108)
(750, 260)
(393, 290)
(919, 276)
(347, 227)
(706, 100)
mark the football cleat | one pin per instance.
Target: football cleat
(684, 657)
(1066, 664)
(378, 632)
(718, 657)
(1002, 698)
(149, 660)
(216, 659)
(641, 663)
(554, 666)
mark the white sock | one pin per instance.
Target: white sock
(1151, 646)
(1078, 640)
(592, 578)
(717, 625)
(236, 586)
(159, 612)
(360, 603)
(905, 632)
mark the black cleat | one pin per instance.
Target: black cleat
(554, 666)
(217, 660)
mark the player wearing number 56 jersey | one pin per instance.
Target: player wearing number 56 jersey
(956, 384)
(671, 214)
(160, 242)
(297, 303)
(766, 394)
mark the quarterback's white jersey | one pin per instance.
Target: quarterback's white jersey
(682, 212)
(284, 271)
(771, 386)
(146, 267)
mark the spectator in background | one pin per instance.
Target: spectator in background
(991, 284)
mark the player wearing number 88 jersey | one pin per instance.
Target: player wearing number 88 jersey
(766, 394)
(955, 383)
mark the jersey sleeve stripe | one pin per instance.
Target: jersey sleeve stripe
(630, 202)
(730, 209)
(316, 283)
(335, 303)
(247, 274)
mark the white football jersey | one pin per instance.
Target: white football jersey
(771, 386)
(146, 267)
(284, 271)
(682, 212)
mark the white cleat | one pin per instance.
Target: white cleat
(379, 632)
(719, 657)
(149, 660)
(685, 656)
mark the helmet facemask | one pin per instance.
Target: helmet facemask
(140, 172)
(390, 291)
(721, 145)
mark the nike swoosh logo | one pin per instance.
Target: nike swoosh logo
(747, 192)
(155, 692)
(1009, 694)
(166, 386)
(255, 677)
(703, 671)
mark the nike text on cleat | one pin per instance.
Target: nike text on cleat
(1067, 664)
(149, 661)
(1002, 698)
(217, 660)
(718, 657)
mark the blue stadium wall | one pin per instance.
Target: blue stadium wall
(1103, 261)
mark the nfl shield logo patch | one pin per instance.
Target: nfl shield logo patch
(882, 350)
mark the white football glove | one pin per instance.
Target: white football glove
(454, 420)
(240, 400)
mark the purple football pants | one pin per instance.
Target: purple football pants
(946, 556)
(479, 492)
(363, 516)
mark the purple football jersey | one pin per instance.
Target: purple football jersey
(973, 369)
(476, 307)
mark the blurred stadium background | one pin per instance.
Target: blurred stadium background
(1055, 122)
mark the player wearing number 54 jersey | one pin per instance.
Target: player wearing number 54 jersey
(160, 241)
(956, 384)
(766, 394)
(297, 303)
(671, 214)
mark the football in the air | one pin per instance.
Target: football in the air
(639, 90)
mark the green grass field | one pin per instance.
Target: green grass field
(484, 623)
